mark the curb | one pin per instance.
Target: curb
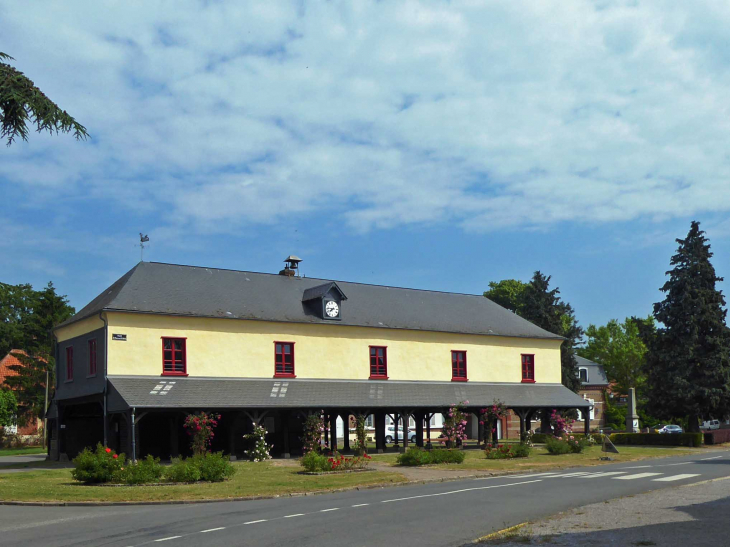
(501, 532)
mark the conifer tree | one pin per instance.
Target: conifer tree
(689, 361)
(543, 307)
(21, 103)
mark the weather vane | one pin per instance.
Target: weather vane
(142, 240)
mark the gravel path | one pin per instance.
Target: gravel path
(693, 515)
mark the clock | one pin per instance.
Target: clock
(332, 309)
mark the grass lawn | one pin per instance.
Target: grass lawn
(251, 479)
(540, 459)
(21, 451)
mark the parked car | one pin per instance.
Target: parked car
(710, 424)
(390, 435)
(671, 429)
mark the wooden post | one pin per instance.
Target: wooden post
(174, 453)
(326, 430)
(495, 434)
(333, 432)
(481, 440)
(396, 421)
(285, 428)
(428, 429)
(380, 432)
(405, 417)
(419, 429)
(346, 432)
(587, 414)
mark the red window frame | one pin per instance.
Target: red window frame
(92, 357)
(70, 364)
(458, 366)
(282, 368)
(174, 363)
(528, 368)
(378, 362)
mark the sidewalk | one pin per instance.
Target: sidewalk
(693, 515)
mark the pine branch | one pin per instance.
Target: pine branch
(22, 103)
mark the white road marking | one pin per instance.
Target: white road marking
(212, 530)
(680, 463)
(460, 491)
(361, 505)
(327, 510)
(637, 476)
(255, 521)
(637, 467)
(716, 457)
(606, 474)
(165, 539)
(677, 477)
(576, 474)
(292, 516)
(530, 475)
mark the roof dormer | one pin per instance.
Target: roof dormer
(326, 299)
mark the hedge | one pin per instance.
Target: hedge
(657, 439)
(717, 436)
(541, 438)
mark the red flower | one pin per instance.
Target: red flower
(108, 450)
(115, 456)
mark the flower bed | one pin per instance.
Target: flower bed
(507, 451)
(566, 444)
(314, 462)
(104, 466)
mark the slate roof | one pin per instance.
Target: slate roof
(596, 374)
(171, 289)
(220, 393)
(321, 290)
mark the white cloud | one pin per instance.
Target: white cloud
(486, 115)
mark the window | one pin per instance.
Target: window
(284, 359)
(528, 368)
(583, 374)
(458, 366)
(378, 362)
(174, 362)
(69, 364)
(92, 357)
(370, 421)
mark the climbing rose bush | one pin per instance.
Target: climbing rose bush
(260, 451)
(455, 424)
(200, 428)
(313, 430)
(561, 425)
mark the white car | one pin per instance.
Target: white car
(710, 424)
(390, 435)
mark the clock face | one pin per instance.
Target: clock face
(332, 309)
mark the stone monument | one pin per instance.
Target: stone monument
(632, 419)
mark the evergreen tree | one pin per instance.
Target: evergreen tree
(543, 307)
(22, 102)
(689, 361)
(41, 311)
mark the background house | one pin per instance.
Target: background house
(33, 425)
(594, 388)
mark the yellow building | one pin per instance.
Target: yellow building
(166, 340)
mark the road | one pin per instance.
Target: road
(450, 513)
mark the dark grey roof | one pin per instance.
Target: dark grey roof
(595, 373)
(156, 392)
(207, 292)
(321, 290)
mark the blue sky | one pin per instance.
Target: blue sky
(437, 145)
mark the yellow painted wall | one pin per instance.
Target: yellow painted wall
(240, 348)
(80, 327)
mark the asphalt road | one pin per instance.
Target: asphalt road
(450, 513)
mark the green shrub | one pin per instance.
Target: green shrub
(557, 446)
(314, 462)
(99, 466)
(521, 450)
(657, 439)
(213, 467)
(182, 471)
(147, 470)
(540, 438)
(445, 455)
(414, 456)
